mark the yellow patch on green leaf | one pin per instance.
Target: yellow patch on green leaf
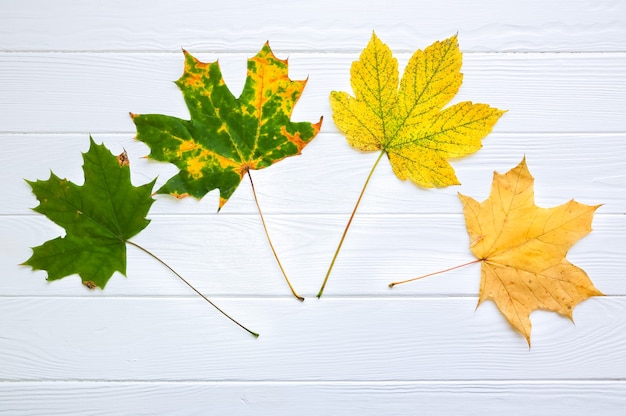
(187, 146)
(293, 138)
(194, 167)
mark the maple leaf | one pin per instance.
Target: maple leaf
(410, 124)
(99, 217)
(522, 249)
(227, 136)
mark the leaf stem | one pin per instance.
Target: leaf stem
(269, 240)
(434, 273)
(154, 256)
(345, 231)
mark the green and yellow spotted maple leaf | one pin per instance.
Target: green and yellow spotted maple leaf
(226, 137)
(99, 218)
(410, 124)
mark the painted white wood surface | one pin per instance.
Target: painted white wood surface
(146, 345)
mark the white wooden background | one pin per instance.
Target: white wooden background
(148, 345)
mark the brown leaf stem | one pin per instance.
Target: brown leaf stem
(345, 231)
(434, 273)
(154, 256)
(269, 240)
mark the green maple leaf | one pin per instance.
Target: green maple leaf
(99, 217)
(227, 136)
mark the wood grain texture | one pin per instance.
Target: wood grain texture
(313, 398)
(332, 339)
(88, 92)
(228, 255)
(588, 167)
(490, 25)
(148, 345)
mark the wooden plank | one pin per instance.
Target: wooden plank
(324, 25)
(228, 255)
(328, 176)
(87, 92)
(332, 339)
(253, 398)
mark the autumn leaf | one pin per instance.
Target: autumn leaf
(522, 248)
(226, 136)
(99, 217)
(410, 124)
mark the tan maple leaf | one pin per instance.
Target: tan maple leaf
(522, 248)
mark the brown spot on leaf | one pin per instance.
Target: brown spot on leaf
(90, 285)
(293, 138)
(123, 160)
(245, 168)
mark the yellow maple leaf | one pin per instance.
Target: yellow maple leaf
(409, 123)
(522, 249)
